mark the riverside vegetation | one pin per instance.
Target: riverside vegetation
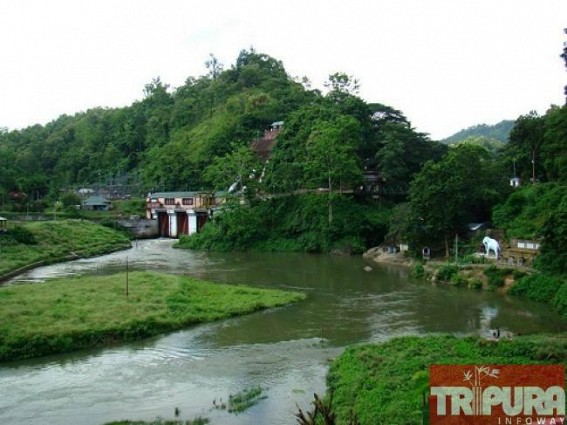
(30, 243)
(69, 314)
(385, 383)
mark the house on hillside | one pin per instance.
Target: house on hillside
(3, 224)
(97, 203)
(264, 145)
(179, 213)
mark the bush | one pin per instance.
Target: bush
(475, 283)
(458, 280)
(446, 272)
(418, 271)
(496, 276)
(538, 287)
(22, 235)
(298, 223)
(473, 259)
(560, 299)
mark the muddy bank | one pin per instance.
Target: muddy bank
(380, 254)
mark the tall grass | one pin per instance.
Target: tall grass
(68, 314)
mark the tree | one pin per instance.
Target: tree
(214, 66)
(553, 256)
(240, 167)
(331, 156)
(526, 139)
(564, 57)
(446, 195)
(554, 147)
(341, 85)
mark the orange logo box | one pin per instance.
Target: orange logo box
(497, 395)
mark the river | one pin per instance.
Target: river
(285, 350)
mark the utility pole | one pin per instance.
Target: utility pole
(533, 166)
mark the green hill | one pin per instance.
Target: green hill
(499, 131)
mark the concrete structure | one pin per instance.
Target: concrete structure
(179, 213)
(140, 228)
(522, 252)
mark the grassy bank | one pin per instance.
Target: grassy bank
(68, 314)
(526, 283)
(52, 241)
(384, 383)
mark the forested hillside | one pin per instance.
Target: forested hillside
(344, 174)
(167, 140)
(163, 141)
(499, 131)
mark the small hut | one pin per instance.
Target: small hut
(3, 224)
(97, 203)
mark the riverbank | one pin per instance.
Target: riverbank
(35, 244)
(385, 383)
(69, 314)
(484, 274)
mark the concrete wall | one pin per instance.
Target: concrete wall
(141, 228)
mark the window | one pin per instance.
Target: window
(169, 201)
(187, 201)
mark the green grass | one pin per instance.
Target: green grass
(242, 400)
(384, 383)
(56, 240)
(67, 314)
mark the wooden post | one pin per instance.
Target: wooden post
(126, 276)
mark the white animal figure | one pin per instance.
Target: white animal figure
(491, 245)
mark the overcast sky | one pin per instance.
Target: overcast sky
(447, 64)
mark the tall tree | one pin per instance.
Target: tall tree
(446, 195)
(331, 156)
(238, 170)
(524, 147)
(554, 148)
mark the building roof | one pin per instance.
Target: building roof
(3, 219)
(176, 194)
(96, 200)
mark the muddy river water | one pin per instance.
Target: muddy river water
(285, 351)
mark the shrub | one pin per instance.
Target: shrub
(418, 271)
(538, 287)
(475, 283)
(473, 259)
(496, 276)
(560, 299)
(447, 271)
(458, 280)
(22, 235)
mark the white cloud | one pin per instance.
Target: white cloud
(446, 64)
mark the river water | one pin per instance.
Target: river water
(285, 350)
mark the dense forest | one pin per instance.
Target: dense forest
(344, 174)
